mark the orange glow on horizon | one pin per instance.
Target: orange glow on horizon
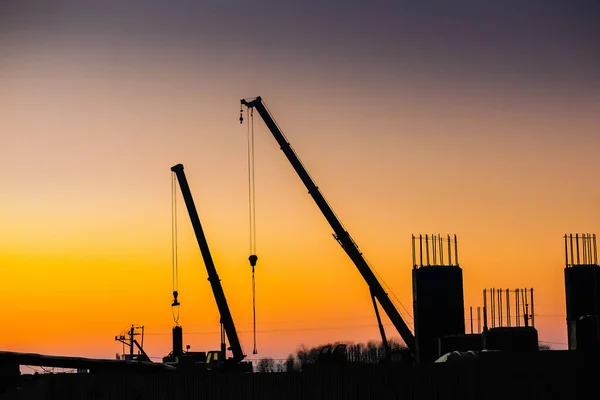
(86, 208)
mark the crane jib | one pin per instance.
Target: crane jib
(213, 277)
(341, 235)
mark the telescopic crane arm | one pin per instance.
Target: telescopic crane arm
(213, 277)
(340, 234)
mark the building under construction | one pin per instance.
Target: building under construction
(509, 325)
(582, 284)
(438, 299)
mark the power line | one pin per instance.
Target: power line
(278, 330)
(335, 327)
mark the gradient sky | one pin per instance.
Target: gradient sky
(479, 120)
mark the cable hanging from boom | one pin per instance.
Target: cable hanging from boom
(251, 211)
(174, 258)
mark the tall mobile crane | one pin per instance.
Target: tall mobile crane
(340, 233)
(227, 324)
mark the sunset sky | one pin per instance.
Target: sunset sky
(476, 120)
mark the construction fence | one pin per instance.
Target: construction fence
(361, 382)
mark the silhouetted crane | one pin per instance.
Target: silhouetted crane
(340, 234)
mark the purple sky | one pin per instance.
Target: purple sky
(551, 41)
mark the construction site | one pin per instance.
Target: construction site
(491, 350)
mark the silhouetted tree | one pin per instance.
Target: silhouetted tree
(354, 353)
(290, 363)
(395, 345)
(309, 356)
(371, 353)
(313, 354)
(266, 365)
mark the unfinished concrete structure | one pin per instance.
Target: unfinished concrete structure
(438, 299)
(582, 280)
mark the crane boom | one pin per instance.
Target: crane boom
(340, 234)
(213, 277)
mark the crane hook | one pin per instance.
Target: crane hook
(241, 116)
(253, 258)
(175, 301)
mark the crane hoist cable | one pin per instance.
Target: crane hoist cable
(251, 211)
(174, 257)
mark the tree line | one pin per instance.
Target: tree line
(372, 353)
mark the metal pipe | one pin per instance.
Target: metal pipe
(572, 257)
(521, 306)
(434, 244)
(471, 312)
(421, 250)
(589, 247)
(592, 251)
(427, 248)
(532, 309)
(449, 251)
(478, 319)
(496, 307)
(437, 251)
(566, 252)
(500, 305)
(595, 252)
(493, 306)
(441, 249)
(584, 247)
(581, 247)
(524, 305)
(456, 249)
(518, 314)
(485, 309)
(414, 255)
(526, 302)
(507, 307)
(577, 243)
(496, 323)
